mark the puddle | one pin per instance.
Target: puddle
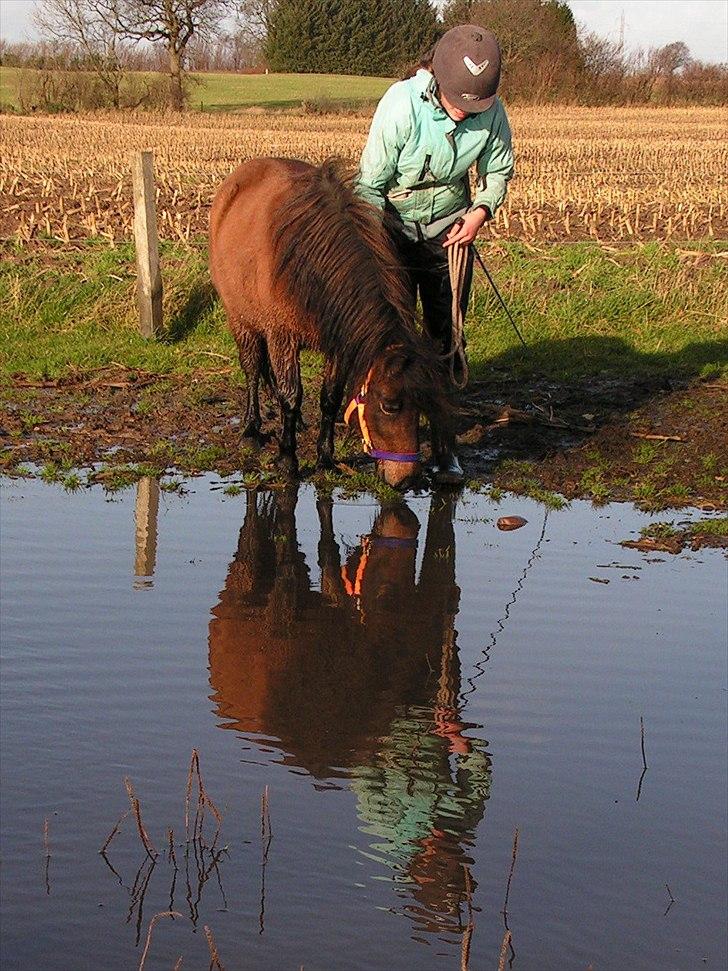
(411, 685)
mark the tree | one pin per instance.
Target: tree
(254, 17)
(171, 23)
(89, 27)
(373, 37)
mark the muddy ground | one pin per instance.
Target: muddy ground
(657, 442)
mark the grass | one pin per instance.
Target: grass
(63, 310)
(636, 310)
(228, 92)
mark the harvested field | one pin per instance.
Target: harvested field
(602, 173)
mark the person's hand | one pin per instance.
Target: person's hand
(466, 228)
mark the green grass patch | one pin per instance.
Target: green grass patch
(625, 316)
(63, 310)
(659, 531)
(710, 527)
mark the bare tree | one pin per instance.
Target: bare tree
(172, 23)
(89, 26)
(254, 17)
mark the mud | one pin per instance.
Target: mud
(656, 442)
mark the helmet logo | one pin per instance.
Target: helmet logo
(466, 96)
(475, 69)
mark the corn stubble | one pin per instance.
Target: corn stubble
(617, 173)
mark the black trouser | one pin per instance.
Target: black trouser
(426, 263)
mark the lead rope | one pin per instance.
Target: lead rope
(457, 261)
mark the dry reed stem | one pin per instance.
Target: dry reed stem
(194, 757)
(215, 961)
(171, 854)
(266, 833)
(115, 830)
(137, 810)
(47, 847)
(514, 854)
(152, 922)
(468, 933)
(504, 950)
(203, 800)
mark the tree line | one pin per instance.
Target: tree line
(546, 56)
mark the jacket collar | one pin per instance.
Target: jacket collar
(426, 86)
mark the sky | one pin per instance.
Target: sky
(702, 24)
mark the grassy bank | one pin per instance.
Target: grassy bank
(232, 92)
(621, 392)
(585, 310)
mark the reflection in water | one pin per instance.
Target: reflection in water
(145, 519)
(361, 681)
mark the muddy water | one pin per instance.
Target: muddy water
(410, 699)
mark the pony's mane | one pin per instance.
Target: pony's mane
(339, 266)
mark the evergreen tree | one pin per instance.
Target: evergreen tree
(375, 37)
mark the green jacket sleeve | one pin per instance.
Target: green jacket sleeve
(495, 168)
(388, 134)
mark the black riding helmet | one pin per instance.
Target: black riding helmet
(467, 65)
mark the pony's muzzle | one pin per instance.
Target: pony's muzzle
(400, 475)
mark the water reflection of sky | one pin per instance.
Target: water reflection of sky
(412, 686)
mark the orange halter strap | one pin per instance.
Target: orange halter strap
(357, 405)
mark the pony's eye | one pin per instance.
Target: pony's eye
(390, 407)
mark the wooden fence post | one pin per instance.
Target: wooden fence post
(149, 276)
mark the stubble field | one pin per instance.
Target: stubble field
(609, 174)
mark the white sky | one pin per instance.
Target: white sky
(702, 24)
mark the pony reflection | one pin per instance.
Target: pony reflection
(360, 680)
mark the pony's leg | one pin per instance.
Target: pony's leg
(283, 351)
(251, 351)
(329, 554)
(332, 391)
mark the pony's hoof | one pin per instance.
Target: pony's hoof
(287, 466)
(253, 434)
(448, 472)
(325, 463)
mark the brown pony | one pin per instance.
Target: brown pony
(300, 261)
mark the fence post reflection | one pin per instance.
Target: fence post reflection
(145, 517)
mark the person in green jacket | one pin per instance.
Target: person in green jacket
(426, 134)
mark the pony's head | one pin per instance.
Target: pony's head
(402, 383)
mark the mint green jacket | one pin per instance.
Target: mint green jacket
(417, 158)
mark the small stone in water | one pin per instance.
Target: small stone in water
(511, 522)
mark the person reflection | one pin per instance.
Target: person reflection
(360, 680)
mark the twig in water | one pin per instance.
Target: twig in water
(514, 854)
(266, 832)
(171, 854)
(152, 922)
(178, 965)
(672, 900)
(266, 835)
(214, 956)
(137, 810)
(468, 932)
(115, 830)
(47, 848)
(504, 950)
(644, 760)
(508, 937)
